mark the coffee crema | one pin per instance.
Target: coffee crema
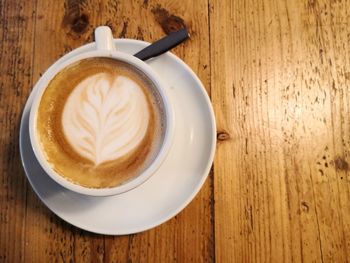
(100, 122)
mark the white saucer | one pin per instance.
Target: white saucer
(168, 191)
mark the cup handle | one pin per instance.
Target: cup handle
(104, 38)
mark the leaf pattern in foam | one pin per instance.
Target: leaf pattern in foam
(105, 117)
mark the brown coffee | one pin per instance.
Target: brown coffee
(100, 122)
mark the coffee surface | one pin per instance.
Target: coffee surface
(100, 122)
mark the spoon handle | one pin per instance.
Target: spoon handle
(163, 45)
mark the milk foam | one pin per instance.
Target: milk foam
(105, 117)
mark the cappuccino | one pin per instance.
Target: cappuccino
(100, 122)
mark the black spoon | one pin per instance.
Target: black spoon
(163, 45)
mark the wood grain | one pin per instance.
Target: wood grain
(280, 92)
(278, 75)
(16, 33)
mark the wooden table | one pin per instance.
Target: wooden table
(278, 73)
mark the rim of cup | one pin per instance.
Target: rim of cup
(105, 48)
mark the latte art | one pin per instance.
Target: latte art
(100, 122)
(105, 117)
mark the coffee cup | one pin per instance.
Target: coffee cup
(101, 122)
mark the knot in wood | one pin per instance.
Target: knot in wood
(80, 24)
(223, 136)
(169, 22)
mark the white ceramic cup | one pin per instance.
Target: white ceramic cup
(104, 48)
